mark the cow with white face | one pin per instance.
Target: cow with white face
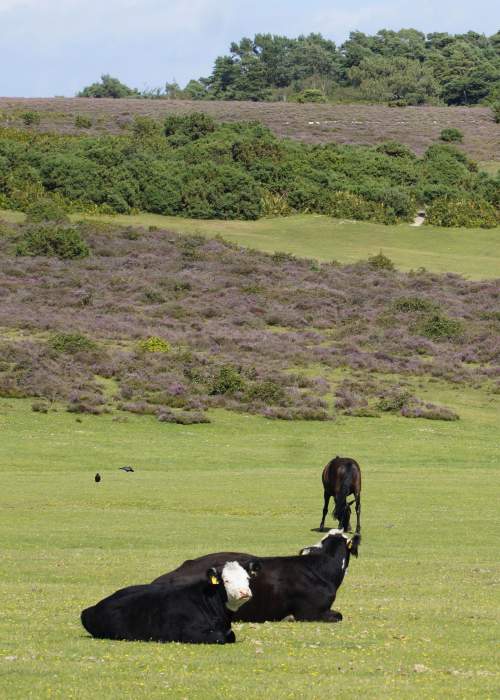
(198, 612)
(302, 586)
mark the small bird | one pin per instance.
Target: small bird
(126, 469)
(97, 478)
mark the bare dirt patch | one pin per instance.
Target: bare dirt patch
(418, 127)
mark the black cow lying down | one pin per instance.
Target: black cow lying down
(198, 613)
(302, 586)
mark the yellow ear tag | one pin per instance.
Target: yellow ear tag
(214, 580)
(349, 544)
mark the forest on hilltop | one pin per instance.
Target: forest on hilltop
(405, 67)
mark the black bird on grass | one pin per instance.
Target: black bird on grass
(126, 469)
(97, 478)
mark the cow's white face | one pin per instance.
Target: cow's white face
(236, 583)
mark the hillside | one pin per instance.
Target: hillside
(417, 127)
(154, 322)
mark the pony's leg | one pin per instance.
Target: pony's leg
(325, 510)
(358, 514)
(345, 521)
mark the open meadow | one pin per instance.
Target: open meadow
(420, 604)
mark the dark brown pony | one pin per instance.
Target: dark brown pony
(341, 478)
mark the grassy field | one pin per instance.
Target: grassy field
(419, 605)
(474, 253)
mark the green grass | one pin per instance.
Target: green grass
(492, 167)
(422, 592)
(474, 253)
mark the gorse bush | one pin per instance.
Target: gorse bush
(191, 166)
(410, 304)
(83, 122)
(71, 343)
(495, 110)
(31, 118)
(154, 344)
(381, 262)
(53, 241)
(451, 134)
(227, 381)
(467, 212)
(440, 327)
(46, 210)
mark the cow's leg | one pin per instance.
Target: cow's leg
(358, 514)
(325, 510)
(203, 636)
(318, 616)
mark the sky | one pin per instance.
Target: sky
(56, 47)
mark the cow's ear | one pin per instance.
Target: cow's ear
(353, 544)
(254, 567)
(213, 576)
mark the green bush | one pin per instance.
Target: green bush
(154, 344)
(53, 241)
(46, 210)
(381, 262)
(82, 121)
(467, 212)
(31, 118)
(439, 327)
(451, 134)
(410, 304)
(495, 110)
(71, 343)
(227, 381)
(311, 95)
(269, 392)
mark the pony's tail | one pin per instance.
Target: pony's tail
(342, 510)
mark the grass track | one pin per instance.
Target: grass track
(474, 253)
(422, 592)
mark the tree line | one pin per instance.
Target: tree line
(405, 67)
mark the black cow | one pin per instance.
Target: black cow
(302, 586)
(198, 613)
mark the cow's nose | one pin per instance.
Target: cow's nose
(245, 594)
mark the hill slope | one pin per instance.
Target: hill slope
(417, 127)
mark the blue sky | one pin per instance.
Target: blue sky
(55, 47)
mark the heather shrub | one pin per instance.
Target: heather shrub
(182, 417)
(84, 406)
(53, 241)
(381, 262)
(451, 134)
(228, 380)
(440, 327)
(46, 210)
(40, 407)
(429, 411)
(154, 344)
(82, 121)
(71, 343)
